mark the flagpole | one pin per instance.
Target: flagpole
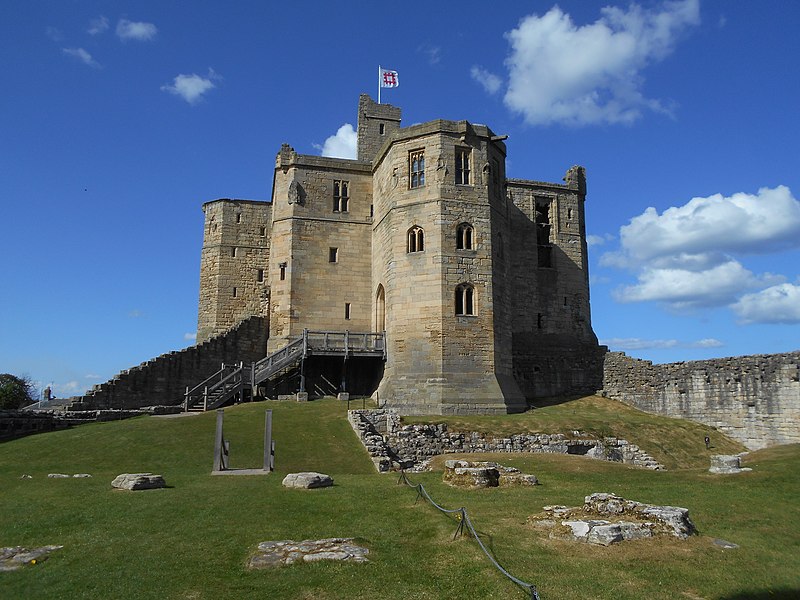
(379, 84)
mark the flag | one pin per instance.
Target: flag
(388, 79)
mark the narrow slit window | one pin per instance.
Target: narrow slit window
(333, 255)
(233, 252)
(282, 271)
(233, 293)
(347, 311)
(262, 231)
(381, 128)
(416, 161)
(238, 217)
(260, 275)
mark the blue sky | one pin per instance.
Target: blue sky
(119, 119)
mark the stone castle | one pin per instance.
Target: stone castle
(478, 281)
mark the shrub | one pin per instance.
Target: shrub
(16, 392)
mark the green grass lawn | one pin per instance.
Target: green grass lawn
(192, 540)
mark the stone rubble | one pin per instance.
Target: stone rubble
(287, 552)
(462, 473)
(15, 557)
(307, 480)
(392, 445)
(633, 520)
(138, 481)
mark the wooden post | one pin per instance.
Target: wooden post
(218, 464)
(269, 461)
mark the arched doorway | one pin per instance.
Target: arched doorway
(380, 309)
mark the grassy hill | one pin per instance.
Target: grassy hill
(192, 539)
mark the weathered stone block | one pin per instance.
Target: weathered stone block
(307, 480)
(138, 481)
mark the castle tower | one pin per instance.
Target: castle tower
(438, 193)
(233, 264)
(376, 123)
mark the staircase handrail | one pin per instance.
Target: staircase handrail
(226, 394)
(202, 389)
(276, 360)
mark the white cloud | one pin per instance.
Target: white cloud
(490, 82)
(683, 289)
(598, 240)
(70, 388)
(561, 72)
(343, 144)
(97, 26)
(686, 256)
(776, 304)
(698, 233)
(191, 87)
(434, 53)
(637, 343)
(190, 336)
(135, 30)
(54, 33)
(81, 55)
(707, 343)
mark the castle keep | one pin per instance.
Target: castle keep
(478, 281)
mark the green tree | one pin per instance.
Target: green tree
(16, 392)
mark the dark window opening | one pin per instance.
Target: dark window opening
(416, 162)
(462, 166)
(371, 210)
(234, 292)
(415, 240)
(543, 227)
(341, 196)
(465, 300)
(333, 255)
(539, 321)
(347, 310)
(260, 275)
(233, 252)
(381, 129)
(465, 237)
(238, 217)
(283, 271)
(262, 231)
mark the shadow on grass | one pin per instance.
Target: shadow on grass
(782, 594)
(534, 403)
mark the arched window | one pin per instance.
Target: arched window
(465, 300)
(415, 241)
(465, 237)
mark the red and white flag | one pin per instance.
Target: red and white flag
(388, 79)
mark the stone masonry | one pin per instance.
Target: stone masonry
(392, 445)
(753, 399)
(478, 281)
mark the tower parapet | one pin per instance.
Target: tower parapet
(376, 123)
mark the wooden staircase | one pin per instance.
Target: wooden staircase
(236, 380)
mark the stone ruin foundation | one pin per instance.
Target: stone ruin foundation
(606, 519)
(484, 474)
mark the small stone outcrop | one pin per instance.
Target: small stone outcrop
(624, 520)
(723, 464)
(287, 552)
(462, 473)
(16, 557)
(138, 481)
(307, 480)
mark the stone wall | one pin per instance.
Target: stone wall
(233, 264)
(393, 445)
(753, 399)
(163, 380)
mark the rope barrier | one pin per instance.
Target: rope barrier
(463, 517)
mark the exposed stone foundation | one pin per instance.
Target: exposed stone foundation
(395, 446)
(753, 399)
